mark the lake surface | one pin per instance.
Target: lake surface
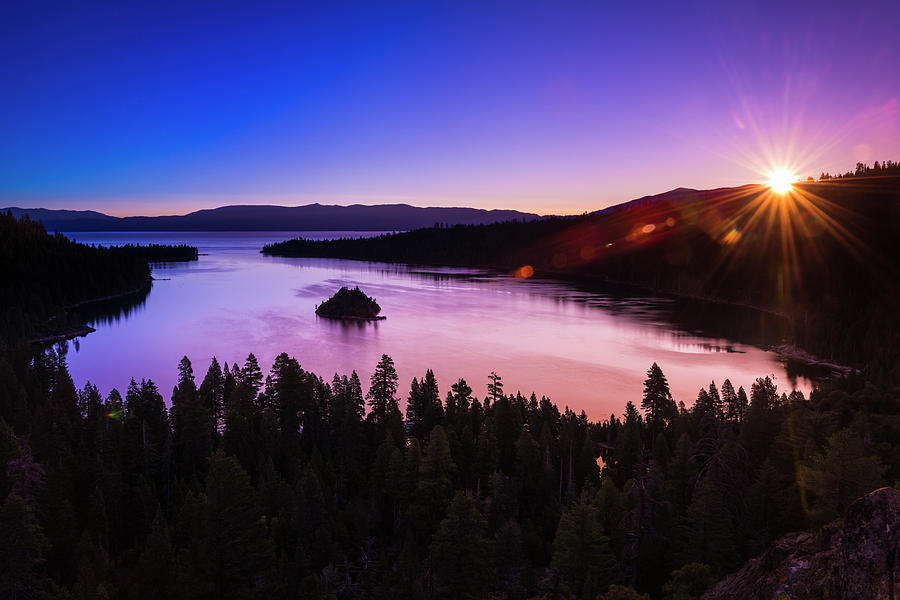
(586, 349)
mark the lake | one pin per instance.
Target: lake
(583, 348)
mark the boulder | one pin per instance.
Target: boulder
(870, 554)
(859, 559)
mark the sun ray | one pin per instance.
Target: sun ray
(781, 181)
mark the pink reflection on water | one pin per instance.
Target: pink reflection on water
(586, 351)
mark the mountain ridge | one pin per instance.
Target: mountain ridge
(248, 217)
(745, 245)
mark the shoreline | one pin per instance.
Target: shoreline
(785, 350)
(68, 332)
(361, 319)
(144, 286)
(74, 331)
(791, 352)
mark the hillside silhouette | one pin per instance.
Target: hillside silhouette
(822, 255)
(289, 484)
(43, 276)
(310, 217)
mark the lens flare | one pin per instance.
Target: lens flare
(781, 181)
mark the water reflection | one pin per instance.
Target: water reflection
(111, 311)
(584, 346)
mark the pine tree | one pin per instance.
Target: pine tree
(647, 511)
(657, 400)
(682, 474)
(581, 550)
(252, 375)
(844, 473)
(212, 394)
(460, 554)
(763, 394)
(191, 424)
(742, 404)
(22, 545)
(495, 387)
(385, 413)
(26, 475)
(629, 445)
(158, 572)
(716, 400)
(529, 471)
(148, 422)
(610, 505)
(433, 412)
(235, 538)
(291, 397)
(435, 483)
(765, 499)
(730, 401)
(458, 401)
(688, 582)
(415, 411)
(707, 532)
(383, 389)
(704, 407)
(345, 415)
(511, 566)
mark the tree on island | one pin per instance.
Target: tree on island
(349, 304)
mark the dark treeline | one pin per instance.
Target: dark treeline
(160, 252)
(887, 167)
(289, 486)
(823, 255)
(42, 275)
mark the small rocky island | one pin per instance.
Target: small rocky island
(350, 304)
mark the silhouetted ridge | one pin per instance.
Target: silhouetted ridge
(311, 217)
(822, 255)
(42, 275)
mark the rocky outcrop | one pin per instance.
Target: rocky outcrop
(870, 554)
(858, 559)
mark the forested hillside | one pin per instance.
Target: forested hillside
(41, 275)
(241, 484)
(282, 486)
(823, 255)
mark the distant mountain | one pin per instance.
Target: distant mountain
(674, 197)
(311, 217)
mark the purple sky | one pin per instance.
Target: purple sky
(546, 107)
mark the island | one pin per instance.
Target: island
(351, 305)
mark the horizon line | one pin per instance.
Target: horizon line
(539, 212)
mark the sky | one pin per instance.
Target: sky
(548, 107)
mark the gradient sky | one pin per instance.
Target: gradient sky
(543, 106)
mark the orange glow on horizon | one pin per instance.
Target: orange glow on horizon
(782, 181)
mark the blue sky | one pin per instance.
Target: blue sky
(135, 108)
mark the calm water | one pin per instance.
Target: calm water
(586, 349)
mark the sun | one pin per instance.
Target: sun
(781, 181)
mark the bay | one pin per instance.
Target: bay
(586, 348)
